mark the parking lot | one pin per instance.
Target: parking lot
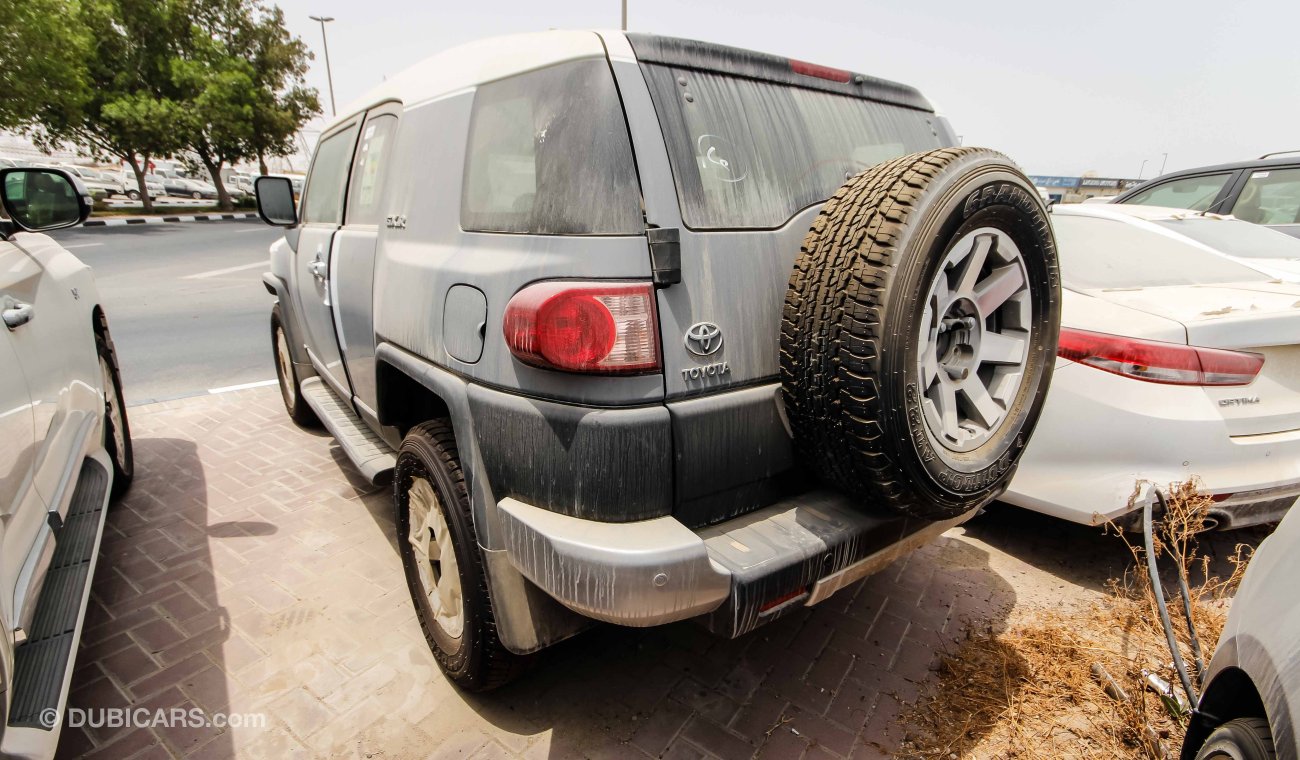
(249, 570)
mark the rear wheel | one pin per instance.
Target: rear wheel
(920, 329)
(117, 431)
(287, 374)
(198, 196)
(1240, 739)
(443, 563)
(133, 194)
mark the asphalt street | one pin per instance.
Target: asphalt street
(185, 303)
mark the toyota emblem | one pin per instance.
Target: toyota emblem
(704, 338)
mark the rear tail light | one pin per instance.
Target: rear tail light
(607, 328)
(1159, 362)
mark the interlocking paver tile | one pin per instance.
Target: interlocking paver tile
(250, 570)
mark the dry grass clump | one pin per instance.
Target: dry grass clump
(1039, 689)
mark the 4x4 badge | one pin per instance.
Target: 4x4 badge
(703, 338)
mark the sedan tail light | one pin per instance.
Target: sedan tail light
(597, 327)
(1159, 362)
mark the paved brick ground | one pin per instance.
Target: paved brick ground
(250, 570)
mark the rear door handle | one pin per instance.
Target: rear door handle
(17, 313)
(318, 268)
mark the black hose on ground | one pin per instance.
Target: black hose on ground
(1159, 592)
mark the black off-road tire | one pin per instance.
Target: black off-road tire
(476, 660)
(850, 338)
(119, 448)
(290, 384)
(1240, 739)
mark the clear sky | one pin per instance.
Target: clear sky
(1062, 87)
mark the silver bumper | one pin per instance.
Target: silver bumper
(658, 571)
(639, 574)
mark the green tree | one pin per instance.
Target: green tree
(241, 78)
(93, 74)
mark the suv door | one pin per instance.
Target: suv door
(352, 263)
(24, 528)
(322, 213)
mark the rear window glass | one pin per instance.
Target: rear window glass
(1195, 193)
(1236, 238)
(549, 154)
(1105, 253)
(751, 154)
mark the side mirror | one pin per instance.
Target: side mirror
(275, 201)
(39, 200)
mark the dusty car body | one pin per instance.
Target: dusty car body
(650, 482)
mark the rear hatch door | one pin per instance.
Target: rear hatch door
(736, 153)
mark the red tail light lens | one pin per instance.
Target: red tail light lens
(607, 328)
(819, 71)
(1159, 362)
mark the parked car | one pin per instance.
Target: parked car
(180, 187)
(154, 188)
(1252, 686)
(1264, 191)
(99, 183)
(594, 322)
(1174, 361)
(65, 450)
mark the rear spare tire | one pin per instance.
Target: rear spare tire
(920, 329)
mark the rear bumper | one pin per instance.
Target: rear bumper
(737, 575)
(1100, 434)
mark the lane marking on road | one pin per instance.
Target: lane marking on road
(82, 245)
(254, 229)
(243, 386)
(227, 270)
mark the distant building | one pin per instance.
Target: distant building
(1079, 189)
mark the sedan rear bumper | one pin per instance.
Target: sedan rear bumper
(1100, 434)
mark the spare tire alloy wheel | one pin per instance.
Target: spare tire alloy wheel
(920, 329)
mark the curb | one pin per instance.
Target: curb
(125, 220)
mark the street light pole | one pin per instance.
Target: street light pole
(1144, 168)
(328, 74)
(625, 15)
(1162, 163)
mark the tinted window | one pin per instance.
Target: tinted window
(549, 153)
(1195, 193)
(747, 153)
(1105, 253)
(328, 179)
(1236, 238)
(1270, 197)
(367, 168)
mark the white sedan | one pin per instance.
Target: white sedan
(1175, 362)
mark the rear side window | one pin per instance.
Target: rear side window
(1105, 253)
(1195, 193)
(549, 154)
(367, 169)
(751, 154)
(1270, 197)
(329, 177)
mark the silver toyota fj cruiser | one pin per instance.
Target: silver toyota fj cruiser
(645, 329)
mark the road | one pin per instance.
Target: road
(185, 303)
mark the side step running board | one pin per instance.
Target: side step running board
(368, 452)
(41, 663)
